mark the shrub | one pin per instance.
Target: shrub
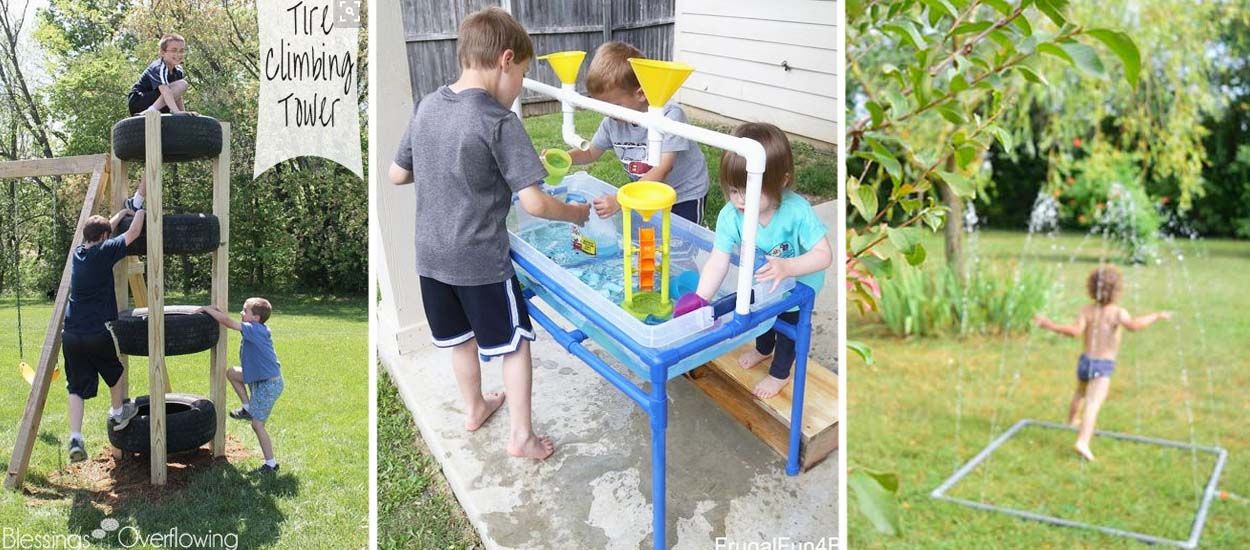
(933, 302)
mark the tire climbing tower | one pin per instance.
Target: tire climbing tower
(152, 139)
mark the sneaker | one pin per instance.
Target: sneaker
(129, 410)
(265, 469)
(77, 453)
(134, 204)
(240, 414)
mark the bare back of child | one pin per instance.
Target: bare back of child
(1099, 325)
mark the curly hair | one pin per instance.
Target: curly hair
(1104, 285)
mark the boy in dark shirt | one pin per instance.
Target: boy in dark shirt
(87, 342)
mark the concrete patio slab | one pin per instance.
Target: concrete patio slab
(595, 492)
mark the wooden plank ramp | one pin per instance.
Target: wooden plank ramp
(729, 386)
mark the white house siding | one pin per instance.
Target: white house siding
(740, 50)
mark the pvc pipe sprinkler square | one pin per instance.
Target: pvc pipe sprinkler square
(1200, 516)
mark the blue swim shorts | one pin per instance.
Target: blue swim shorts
(1088, 368)
(264, 394)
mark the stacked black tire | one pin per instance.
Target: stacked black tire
(190, 420)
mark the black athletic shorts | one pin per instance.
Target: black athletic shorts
(89, 357)
(139, 102)
(495, 314)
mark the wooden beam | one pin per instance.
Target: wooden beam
(119, 183)
(33, 413)
(60, 166)
(221, 288)
(156, 294)
(769, 419)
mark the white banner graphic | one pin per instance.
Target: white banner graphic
(308, 88)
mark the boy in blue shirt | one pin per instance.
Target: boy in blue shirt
(86, 338)
(261, 372)
(789, 233)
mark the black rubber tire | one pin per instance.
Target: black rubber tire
(182, 234)
(186, 331)
(190, 422)
(183, 138)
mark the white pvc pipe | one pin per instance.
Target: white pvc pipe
(654, 138)
(750, 149)
(567, 130)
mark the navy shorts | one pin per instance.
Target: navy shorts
(1088, 368)
(88, 358)
(139, 102)
(495, 314)
(691, 210)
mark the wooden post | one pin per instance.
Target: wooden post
(156, 294)
(221, 288)
(119, 183)
(33, 413)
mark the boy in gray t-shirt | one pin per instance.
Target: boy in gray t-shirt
(470, 154)
(611, 78)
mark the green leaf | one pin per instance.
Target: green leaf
(910, 205)
(1001, 6)
(864, 199)
(916, 255)
(1053, 10)
(958, 83)
(904, 239)
(860, 242)
(934, 218)
(942, 6)
(1002, 135)
(877, 113)
(951, 112)
(974, 27)
(876, 502)
(1030, 75)
(907, 32)
(891, 165)
(881, 268)
(1124, 48)
(1022, 23)
(1052, 49)
(1085, 58)
(899, 105)
(960, 184)
(1005, 41)
(965, 153)
(864, 351)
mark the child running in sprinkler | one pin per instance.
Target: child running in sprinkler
(1099, 326)
(611, 79)
(260, 372)
(473, 154)
(790, 235)
(160, 88)
(86, 340)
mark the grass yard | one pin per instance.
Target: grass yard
(930, 404)
(319, 427)
(816, 170)
(416, 508)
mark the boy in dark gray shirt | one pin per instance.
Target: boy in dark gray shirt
(471, 154)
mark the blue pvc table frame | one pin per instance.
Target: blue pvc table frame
(655, 402)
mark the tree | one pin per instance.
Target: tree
(928, 80)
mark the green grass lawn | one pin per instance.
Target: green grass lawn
(416, 508)
(816, 171)
(930, 404)
(319, 427)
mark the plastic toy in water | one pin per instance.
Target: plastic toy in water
(557, 163)
(647, 198)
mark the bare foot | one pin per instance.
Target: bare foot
(1083, 450)
(769, 387)
(539, 447)
(751, 358)
(475, 420)
(1074, 423)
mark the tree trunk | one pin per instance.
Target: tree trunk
(953, 229)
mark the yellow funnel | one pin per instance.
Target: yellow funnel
(660, 79)
(646, 197)
(565, 64)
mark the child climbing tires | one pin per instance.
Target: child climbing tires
(190, 421)
(184, 138)
(187, 330)
(181, 234)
